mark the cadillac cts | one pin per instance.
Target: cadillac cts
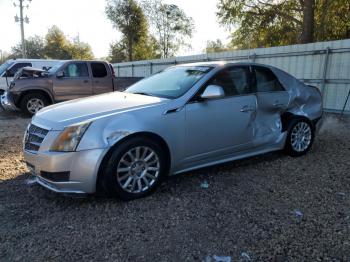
(183, 118)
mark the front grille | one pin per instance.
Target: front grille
(34, 137)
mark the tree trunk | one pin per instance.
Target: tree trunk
(307, 33)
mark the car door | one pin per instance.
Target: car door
(74, 83)
(221, 127)
(272, 101)
(101, 78)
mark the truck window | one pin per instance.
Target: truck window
(98, 70)
(16, 67)
(76, 70)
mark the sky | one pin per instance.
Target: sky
(86, 19)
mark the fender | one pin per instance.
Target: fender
(17, 96)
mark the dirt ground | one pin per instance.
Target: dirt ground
(267, 208)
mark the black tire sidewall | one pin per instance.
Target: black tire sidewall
(288, 147)
(108, 180)
(27, 97)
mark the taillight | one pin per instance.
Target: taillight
(112, 69)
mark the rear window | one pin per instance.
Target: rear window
(266, 81)
(98, 70)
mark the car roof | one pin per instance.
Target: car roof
(222, 63)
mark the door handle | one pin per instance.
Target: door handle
(96, 81)
(86, 81)
(247, 108)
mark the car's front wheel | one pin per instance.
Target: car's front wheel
(134, 169)
(32, 103)
(300, 137)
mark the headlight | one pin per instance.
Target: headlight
(69, 139)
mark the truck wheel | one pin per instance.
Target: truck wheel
(300, 137)
(32, 103)
(134, 169)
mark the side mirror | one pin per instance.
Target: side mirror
(212, 92)
(60, 74)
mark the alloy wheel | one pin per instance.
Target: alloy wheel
(34, 105)
(301, 136)
(138, 169)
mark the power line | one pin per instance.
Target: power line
(22, 20)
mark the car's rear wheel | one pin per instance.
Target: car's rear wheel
(300, 137)
(32, 103)
(134, 169)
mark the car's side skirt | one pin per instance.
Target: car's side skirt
(236, 156)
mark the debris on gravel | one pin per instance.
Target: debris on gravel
(267, 208)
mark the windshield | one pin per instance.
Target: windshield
(53, 69)
(4, 66)
(171, 83)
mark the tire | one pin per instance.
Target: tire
(301, 134)
(128, 181)
(32, 103)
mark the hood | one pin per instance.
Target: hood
(30, 72)
(72, 112)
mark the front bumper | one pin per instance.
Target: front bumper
(7, 102)
(82, 167)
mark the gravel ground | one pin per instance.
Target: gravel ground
(267, 208)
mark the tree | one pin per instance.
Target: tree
(307, 32)
(263, 23)
(215, 46)
(117, 52)
(128, 17)
(4, 56)
(80, 50)
(145, 49)
(35, 48)
(56, 44)
(172, 27)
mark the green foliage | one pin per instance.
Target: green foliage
(262, 23)
(172, 27)
(216, 46)
(145, 49)
(127, 16)
(57, 45)
(117, 52)
(35, 47)
(80, 50)
(4, 56)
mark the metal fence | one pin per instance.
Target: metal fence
(324, 64)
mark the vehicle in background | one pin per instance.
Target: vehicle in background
(12, 66)
(184, 118)
(33, 89)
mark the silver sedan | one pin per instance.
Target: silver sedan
(183, 118)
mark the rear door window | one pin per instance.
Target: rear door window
(98, 70)
(265, 80)
(76, 70)
(16, 67)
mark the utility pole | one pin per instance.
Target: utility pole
(22, 20)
